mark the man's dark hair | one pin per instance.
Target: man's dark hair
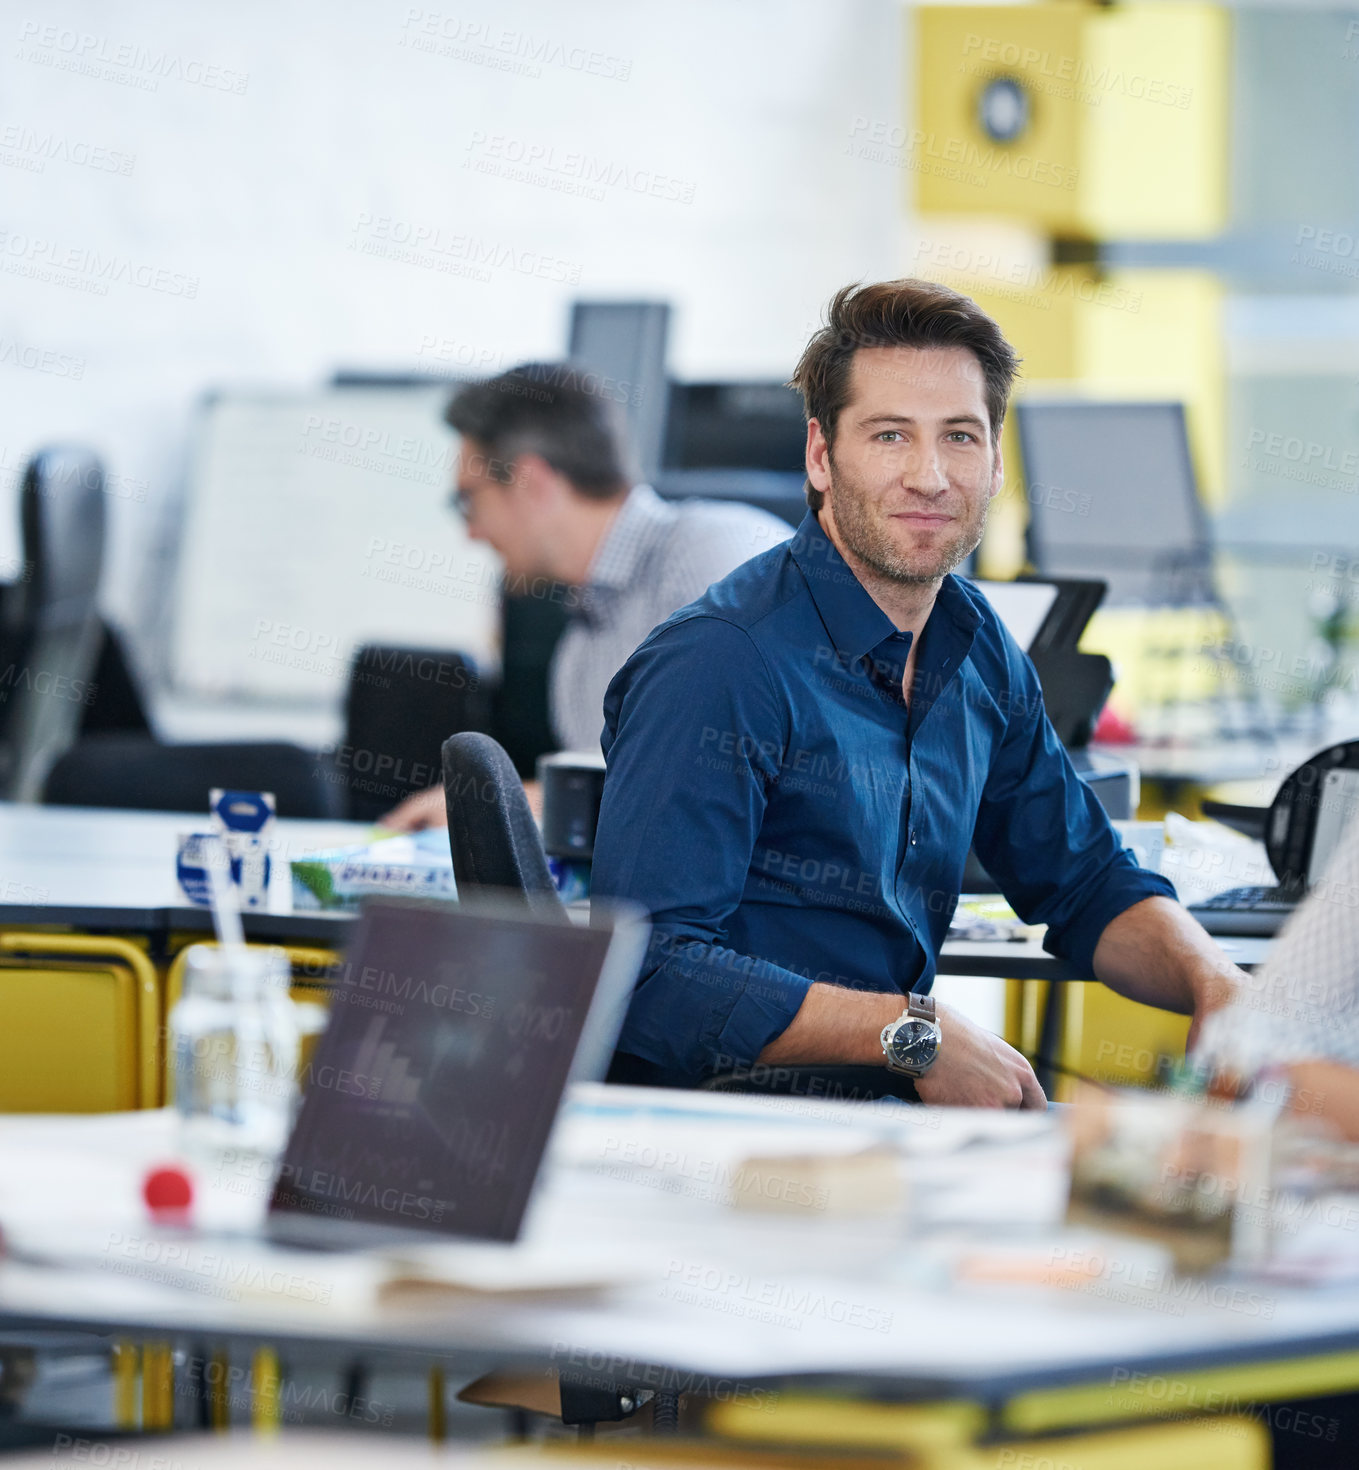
(909, 313)
(566, 413)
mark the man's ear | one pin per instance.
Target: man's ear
(998, 471)
(818, 457)
(532, 476)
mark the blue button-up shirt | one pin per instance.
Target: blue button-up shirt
(786, 819)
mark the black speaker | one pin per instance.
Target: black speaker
(573, 785)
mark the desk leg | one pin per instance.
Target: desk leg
(158, 1386)
(266, 1402)
(1050, 1038)
(125, 1386)
(438, 1414)
(219, 1397)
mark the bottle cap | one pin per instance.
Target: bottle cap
(167, 1190)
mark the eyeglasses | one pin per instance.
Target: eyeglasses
(461, 503)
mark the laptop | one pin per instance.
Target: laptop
(1261, 911)
(454, 1031)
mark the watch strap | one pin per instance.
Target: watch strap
(922, 1007)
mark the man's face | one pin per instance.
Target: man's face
(497, 512)
(914, 468)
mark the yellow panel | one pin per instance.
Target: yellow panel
(936, 1436)
(1154, 145)
(1165, 340)
(1119, 129)
(957, 167)
(69, 1042)
(1194, 1444)
(1112, 1039)
(807, 1419)
(1122, 334)
(1159, 655)
(1148, 334)
(1224, 1390)
(37, 948)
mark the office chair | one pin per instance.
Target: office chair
(401, 705)
(491, 832)
(496, 847)
(50, 635)
(136, 772)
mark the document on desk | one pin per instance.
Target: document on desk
(714, 1148)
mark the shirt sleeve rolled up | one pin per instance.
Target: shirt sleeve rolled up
(1043, 836)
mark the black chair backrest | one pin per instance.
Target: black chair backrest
(402, 704)
(133, 771)
(51, 634)
(491, 831)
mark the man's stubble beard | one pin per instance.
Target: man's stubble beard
(869, 540)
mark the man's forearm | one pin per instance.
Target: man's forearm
(835, 1027)
(1154, 952)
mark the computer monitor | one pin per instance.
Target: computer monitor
(626, 341)
(748, 426)
(1022, 606)
(736, 441)
(1112, 494)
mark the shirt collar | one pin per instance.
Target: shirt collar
(630, 535)
(856, 624)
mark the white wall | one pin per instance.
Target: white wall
(260, 198)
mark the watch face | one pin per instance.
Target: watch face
(914, 1043)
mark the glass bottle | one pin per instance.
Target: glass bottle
(235, 1039)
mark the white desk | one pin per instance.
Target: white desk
(1028, 960)
(101, 868)
(98, 868)
(710, 1296)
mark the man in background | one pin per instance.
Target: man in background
(543, 477)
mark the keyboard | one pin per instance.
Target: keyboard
(1246, 911)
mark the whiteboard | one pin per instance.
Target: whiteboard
(317, 522)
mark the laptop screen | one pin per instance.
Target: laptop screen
(453, 1032)
(1337, 809)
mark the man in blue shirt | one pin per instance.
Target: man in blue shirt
(799, 760)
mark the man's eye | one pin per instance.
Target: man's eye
(889, 436)
(961, 436)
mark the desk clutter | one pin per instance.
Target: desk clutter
(744, 1251)
(415, 866)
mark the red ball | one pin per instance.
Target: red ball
(167, 1188)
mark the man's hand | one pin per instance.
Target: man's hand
(838, 1027)
(976, 1069)
(424, 809)
(428, 809)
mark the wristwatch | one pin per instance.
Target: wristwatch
(910, 1044)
